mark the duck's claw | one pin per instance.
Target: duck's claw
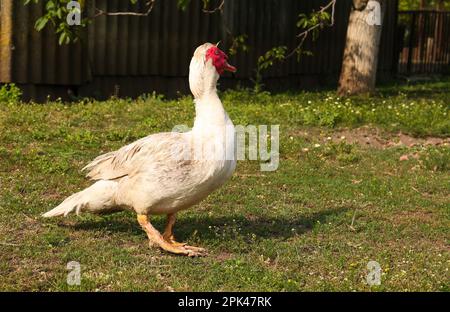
(196, 251)
(191, 250)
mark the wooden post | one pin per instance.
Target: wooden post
(6, 40)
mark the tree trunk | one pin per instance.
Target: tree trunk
(359, 65)
(422, 5)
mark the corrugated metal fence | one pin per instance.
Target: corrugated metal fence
(140, 54)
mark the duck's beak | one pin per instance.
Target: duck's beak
(230, 68)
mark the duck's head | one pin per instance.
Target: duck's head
(207, 64)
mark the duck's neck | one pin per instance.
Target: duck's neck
(209, 112)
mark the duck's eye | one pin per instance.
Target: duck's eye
(216, 52)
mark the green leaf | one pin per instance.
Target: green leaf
(62, 38)
(40, 23)
(50, 5)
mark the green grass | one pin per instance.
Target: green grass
(314, 224)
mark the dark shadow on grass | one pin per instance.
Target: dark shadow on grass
(209, 227)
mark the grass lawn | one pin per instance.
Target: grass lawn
(334, 204)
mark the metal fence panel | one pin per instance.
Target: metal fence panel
(423, 44)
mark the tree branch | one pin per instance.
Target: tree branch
(218, 8)
(150, 4)
(304, 34)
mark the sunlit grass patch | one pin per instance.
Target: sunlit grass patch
(334, 204)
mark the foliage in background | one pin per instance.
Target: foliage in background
(10, 93)
(265, 61)
(307, 24)
(56, 13)
(405, 5)
(238, 42)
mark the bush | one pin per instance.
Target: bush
(10, 93)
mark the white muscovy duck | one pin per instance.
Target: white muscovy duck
(149, 176)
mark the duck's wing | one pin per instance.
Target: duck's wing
(161, 147)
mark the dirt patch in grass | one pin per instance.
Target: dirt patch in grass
(369, 136)
(376, 138)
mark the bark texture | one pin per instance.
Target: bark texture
(359, 66)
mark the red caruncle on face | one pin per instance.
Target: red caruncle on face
(219, 60)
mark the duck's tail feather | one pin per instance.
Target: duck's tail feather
(97, 198)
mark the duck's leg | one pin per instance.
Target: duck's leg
(168, 232)
(169, 237)
(157, 239)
